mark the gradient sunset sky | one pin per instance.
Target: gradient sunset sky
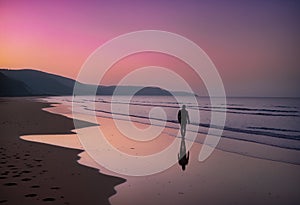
(254, 44)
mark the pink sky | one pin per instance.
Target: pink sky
(254, 44)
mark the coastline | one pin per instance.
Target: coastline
(33, 173)
(225, 178)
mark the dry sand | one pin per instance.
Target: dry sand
(33, 173)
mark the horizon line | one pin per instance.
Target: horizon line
(111, 85)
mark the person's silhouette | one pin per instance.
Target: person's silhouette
(183, 119)
(183, 158)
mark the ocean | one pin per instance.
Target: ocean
(250, 122)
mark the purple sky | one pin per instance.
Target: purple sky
(254, 44)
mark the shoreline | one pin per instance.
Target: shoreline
(33, 173)
(225, 178)
(249, 148)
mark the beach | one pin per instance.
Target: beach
(49, 165)
(34, 173)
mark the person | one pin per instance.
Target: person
(183, 158)
(183, 119)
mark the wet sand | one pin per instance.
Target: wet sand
(34, 173)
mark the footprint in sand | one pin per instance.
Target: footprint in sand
(26, 179)
(30, 195)
(14, 168)
(10, 184)
(5, 173)
(38, 160)
(49, 199)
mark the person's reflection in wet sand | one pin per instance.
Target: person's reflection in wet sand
(183, 157)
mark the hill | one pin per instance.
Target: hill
(10, 87)
(28, 82)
